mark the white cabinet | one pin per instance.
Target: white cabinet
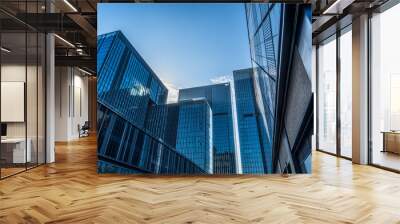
(19, 155)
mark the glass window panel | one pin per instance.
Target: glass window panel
(13, 84)
(31, 98)
(385, 91)
(22, 63)
(327, 97)
(345, 94)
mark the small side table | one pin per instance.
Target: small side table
(391, 141)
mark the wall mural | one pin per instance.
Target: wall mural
(202, 89)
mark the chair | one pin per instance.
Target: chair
(84, 130)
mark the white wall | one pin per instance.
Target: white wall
(71, 102)
(81, 82)
(33, 126)
(12, 73)
(62, 82)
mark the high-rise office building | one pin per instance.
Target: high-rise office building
(186, 126)
(162, 122)
(219, 98)
(125, 81)
(282, 81)
(127, 89)
(194, 138)
(255, 152)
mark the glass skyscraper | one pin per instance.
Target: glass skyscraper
(195, 133)
(186, 126)
(127, 89)
(282, 81)
(219, 98)
(256, 155)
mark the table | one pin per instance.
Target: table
(391, 141)
(13, 150)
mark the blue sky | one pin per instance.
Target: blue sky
(185, 44)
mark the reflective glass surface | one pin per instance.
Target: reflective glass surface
(22, 77)
(327, 97)
(249, 130)
(385, 89)
(219, 98)
(122, 147)
(346, 94)
(125, 81)
(269, 49)
(194, 133)
(133, 118)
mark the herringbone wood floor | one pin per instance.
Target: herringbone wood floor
(70, 191)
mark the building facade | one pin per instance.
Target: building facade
(127, 89)
(256, 155)
(194, 138)
(125, 81)
(219, 98)
(282, 81)
(186, 126)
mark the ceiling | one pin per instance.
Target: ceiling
(73, 21)
(332, 15)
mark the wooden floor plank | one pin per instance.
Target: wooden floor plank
(71, 191)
